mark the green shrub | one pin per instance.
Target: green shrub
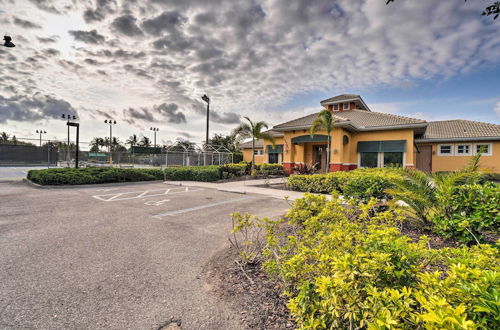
(351, 268)
(193, 173)
(92, 175)
(233, 170)
(469, 211)
(269, 169)
(361, 184)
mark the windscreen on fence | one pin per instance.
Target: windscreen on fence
(11, 154)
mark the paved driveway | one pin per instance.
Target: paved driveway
(16, 173)
(114, 257)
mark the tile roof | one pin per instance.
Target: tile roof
(456, 129)
(342, 97)
(357, 118)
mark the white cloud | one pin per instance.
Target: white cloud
(497, 109)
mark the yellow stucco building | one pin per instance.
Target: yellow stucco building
(363, 138)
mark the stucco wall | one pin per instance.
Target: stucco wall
(247, 156)
(453, 163)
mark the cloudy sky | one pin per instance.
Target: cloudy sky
(147, 62)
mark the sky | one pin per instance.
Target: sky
(146, 63)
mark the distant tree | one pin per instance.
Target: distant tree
(254, 131)
(117, 146)
(4, 137)
(493, 9)
(324, 121)
(97, 143)
(227, 141)
(145, 142)
(133, 140)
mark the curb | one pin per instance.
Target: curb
(110, 184)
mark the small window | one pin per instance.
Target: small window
(393, 159)
(336, 107)
(256, 152)
(463, 149)
(485, 148)
(273, 159)
(368, 159)
(445, 150)
(346, 106)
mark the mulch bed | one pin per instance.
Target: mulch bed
(259, 301)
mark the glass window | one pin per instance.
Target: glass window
(463, 149)
(336, 107)
(393, 159)
(273, 158)
(368, 159)
(256, 152)
(445, 149)
(484, 148)
(346, 106)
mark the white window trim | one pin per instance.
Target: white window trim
(462, 154)
(452, 150)
(344, 106)
(336, 105)
(490, 149)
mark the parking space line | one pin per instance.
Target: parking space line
(161, 215)
(143, 194)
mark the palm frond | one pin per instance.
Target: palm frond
(268, 137)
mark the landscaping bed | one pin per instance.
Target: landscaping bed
(367, 263)
(96, 175)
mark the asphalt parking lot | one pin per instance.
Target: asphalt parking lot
(115, 256)
(16, 173)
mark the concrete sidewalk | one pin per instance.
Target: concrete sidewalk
(246, 187)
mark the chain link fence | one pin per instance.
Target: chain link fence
(28, 152)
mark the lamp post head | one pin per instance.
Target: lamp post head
(114, 122)
(205, 98)
(106, 121)
(63, 116)
(8, 42)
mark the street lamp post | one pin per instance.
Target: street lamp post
(64, 116)
(206, 99)
(41, 132)
(154, 129)
(111, 123)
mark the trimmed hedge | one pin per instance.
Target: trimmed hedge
(361, 184)
(194, 173)
(92, 175)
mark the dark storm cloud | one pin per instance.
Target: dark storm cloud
(92, 61)
(89, 37)
(131, 114)
(47, 40)
(185, 134)
(167, 21)
(26, 24)
(171, 112)
(117, 54)
(225, 117)
(91, 15)
(127, 25)
(36, 107)
(173, 43)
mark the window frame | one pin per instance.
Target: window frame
(344, 106)
(463, 145)
(380, 159)
(336, 106)
(452, 150)
(490, 148)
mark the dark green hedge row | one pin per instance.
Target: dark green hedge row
(92, 175)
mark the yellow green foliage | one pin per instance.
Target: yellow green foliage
(351, 268)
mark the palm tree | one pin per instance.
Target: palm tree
(254, 131)
(324, 121)
(4, 137)
(145, 142)
(132, 140)
(97, 143)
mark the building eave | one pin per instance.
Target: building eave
(351, 126)
(348, 100)
(459, 139)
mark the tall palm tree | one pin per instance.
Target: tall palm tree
(132, 140)
(254, 131)
(324, 121)
(145, 142)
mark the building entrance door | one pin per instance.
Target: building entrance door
(424, 158)
(319, 157)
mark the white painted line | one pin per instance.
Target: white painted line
(159, 216)
(156, 203)
(143, 194)
(24, 172)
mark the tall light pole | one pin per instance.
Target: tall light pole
(64, 116)
(206, 99)
(41, 132)
(154, 129)
(111, 123)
